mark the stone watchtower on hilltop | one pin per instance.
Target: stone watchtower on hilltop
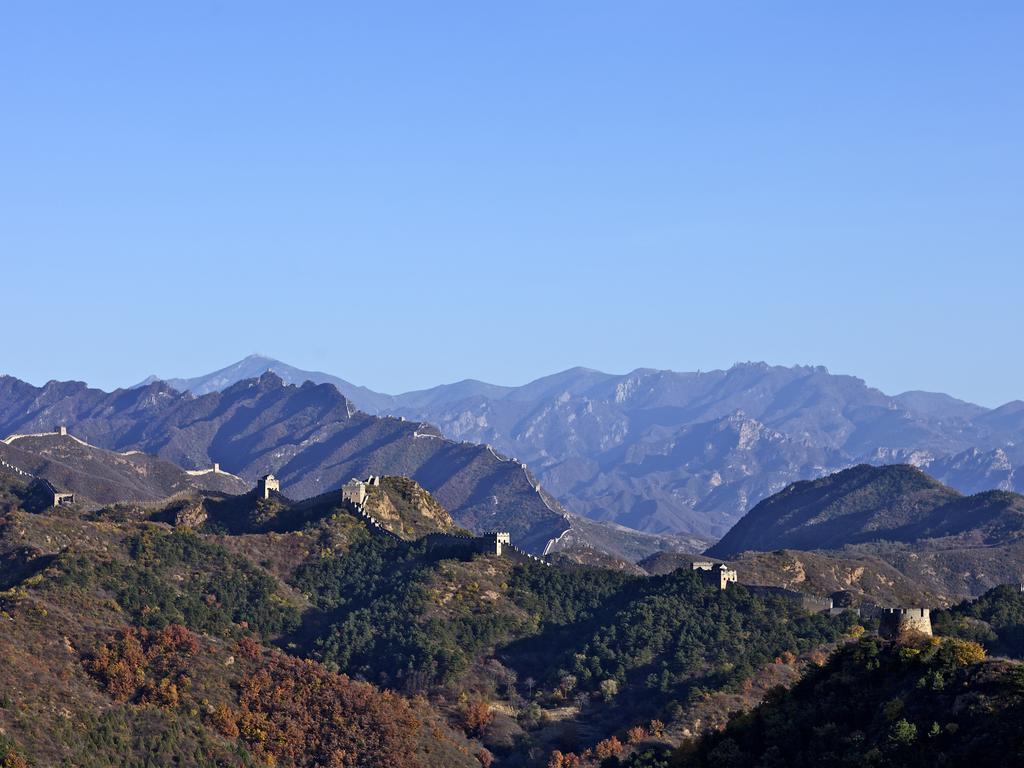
(267, 484)
(715, 574)
(894, 622)
(355, 490)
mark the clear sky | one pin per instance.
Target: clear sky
(405, 194)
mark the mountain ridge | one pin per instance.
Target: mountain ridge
(97, 476)
(310, 436)
(624, 448)
(314, 440)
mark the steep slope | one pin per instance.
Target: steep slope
(309, 436)
(406, 509)
(974, 470)
(868, 504)
(98, 476)
(944, 545)
(858, 504)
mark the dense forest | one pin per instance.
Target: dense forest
(247, 641)
(918, 704)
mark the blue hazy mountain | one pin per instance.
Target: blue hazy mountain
(255, 365)
(665, 451)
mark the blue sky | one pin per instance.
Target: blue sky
(410, 193)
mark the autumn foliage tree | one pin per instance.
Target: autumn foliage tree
(10, 757)
(610, 747)
(635, 735)
(289, 711)
(476, 716)
(559, 759)
(146, 666)
(294, 712)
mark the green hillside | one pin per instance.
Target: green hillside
(933, 702)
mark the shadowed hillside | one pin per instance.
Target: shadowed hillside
(867, 524)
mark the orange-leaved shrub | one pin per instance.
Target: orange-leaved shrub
(146, 666)
(295, 712)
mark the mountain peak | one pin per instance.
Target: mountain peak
(861, 503)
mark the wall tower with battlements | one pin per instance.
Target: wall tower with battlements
(894, 622)
(355, 490)
(715, 574)
(266, 485)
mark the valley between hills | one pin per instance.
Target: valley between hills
(184, 581)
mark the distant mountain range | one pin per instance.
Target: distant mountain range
(254, 366)
(312, 438)
(661, 451)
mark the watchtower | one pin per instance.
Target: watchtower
(501, 539)
(267, 484)
(55, 497)
(894, 622)
(354, 492)
(715, 574)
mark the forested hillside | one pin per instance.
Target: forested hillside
(243, 632)
(995, 620)
(927, 702)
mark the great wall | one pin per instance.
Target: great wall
(57, 432)
(62, 431)
(549, 547)
(892, 621)
(354, 494)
